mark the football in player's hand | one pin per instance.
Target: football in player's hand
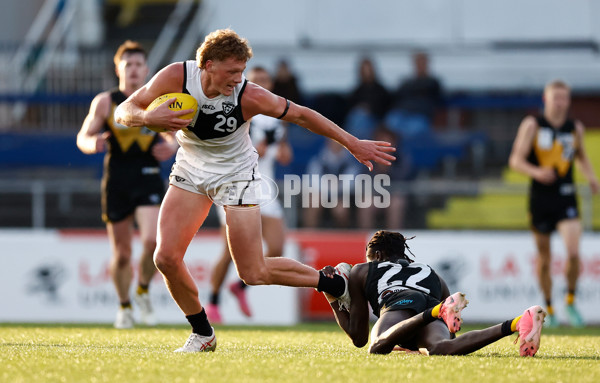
(183, 101)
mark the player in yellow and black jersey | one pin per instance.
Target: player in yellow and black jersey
(131, 175)
(132, 188)
(545, 149)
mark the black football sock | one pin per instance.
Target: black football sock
(428, 316)
(200, 324)
(334, 286)
(506, 327)
(214, 298)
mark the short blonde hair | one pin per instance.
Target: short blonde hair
(221, 45)
(556, 84)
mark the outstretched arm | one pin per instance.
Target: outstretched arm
(257, 100)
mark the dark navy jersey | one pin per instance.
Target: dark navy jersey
(386, 278)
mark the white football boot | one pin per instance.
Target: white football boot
(124, 318)
(343, 270)
(146, 311)
(199, 343)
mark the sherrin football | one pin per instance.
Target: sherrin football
(184, 101)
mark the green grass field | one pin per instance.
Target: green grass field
(305, 353)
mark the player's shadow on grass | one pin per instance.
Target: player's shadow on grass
(538, 356)
(61, 345)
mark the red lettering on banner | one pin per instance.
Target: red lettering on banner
(508, 268)
(199, 271)
(557, 266)
(485, 268)
(591, 267)
(86, 278)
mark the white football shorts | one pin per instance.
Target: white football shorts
(240, 188)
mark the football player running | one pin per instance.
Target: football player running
(217, 163)
(545, 149)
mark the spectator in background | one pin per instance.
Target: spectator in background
(332, 159)
(368, 102)
(285, 83)
(416, 100)
(400, 172)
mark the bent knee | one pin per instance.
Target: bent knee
(166, 262)
(376, 349)
(378, 346)
(443, 347)
(255, 276)
(359, 342)
(122, 259)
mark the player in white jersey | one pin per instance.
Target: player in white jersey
(268, 137)
(217, 163)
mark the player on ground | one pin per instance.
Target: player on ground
(217, 163)
(268, 136)
(409, 298)
(132, 188)
(544, 150)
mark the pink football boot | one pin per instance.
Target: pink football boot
(530, 330)
(450, 311)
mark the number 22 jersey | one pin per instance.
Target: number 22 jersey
(387, 278)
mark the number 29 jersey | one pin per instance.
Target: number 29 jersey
(387, 278)
(217, 140)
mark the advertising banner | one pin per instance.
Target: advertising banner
(497, 270)
(49, 276)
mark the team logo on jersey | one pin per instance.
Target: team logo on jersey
(403, 302)
(228, 107)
